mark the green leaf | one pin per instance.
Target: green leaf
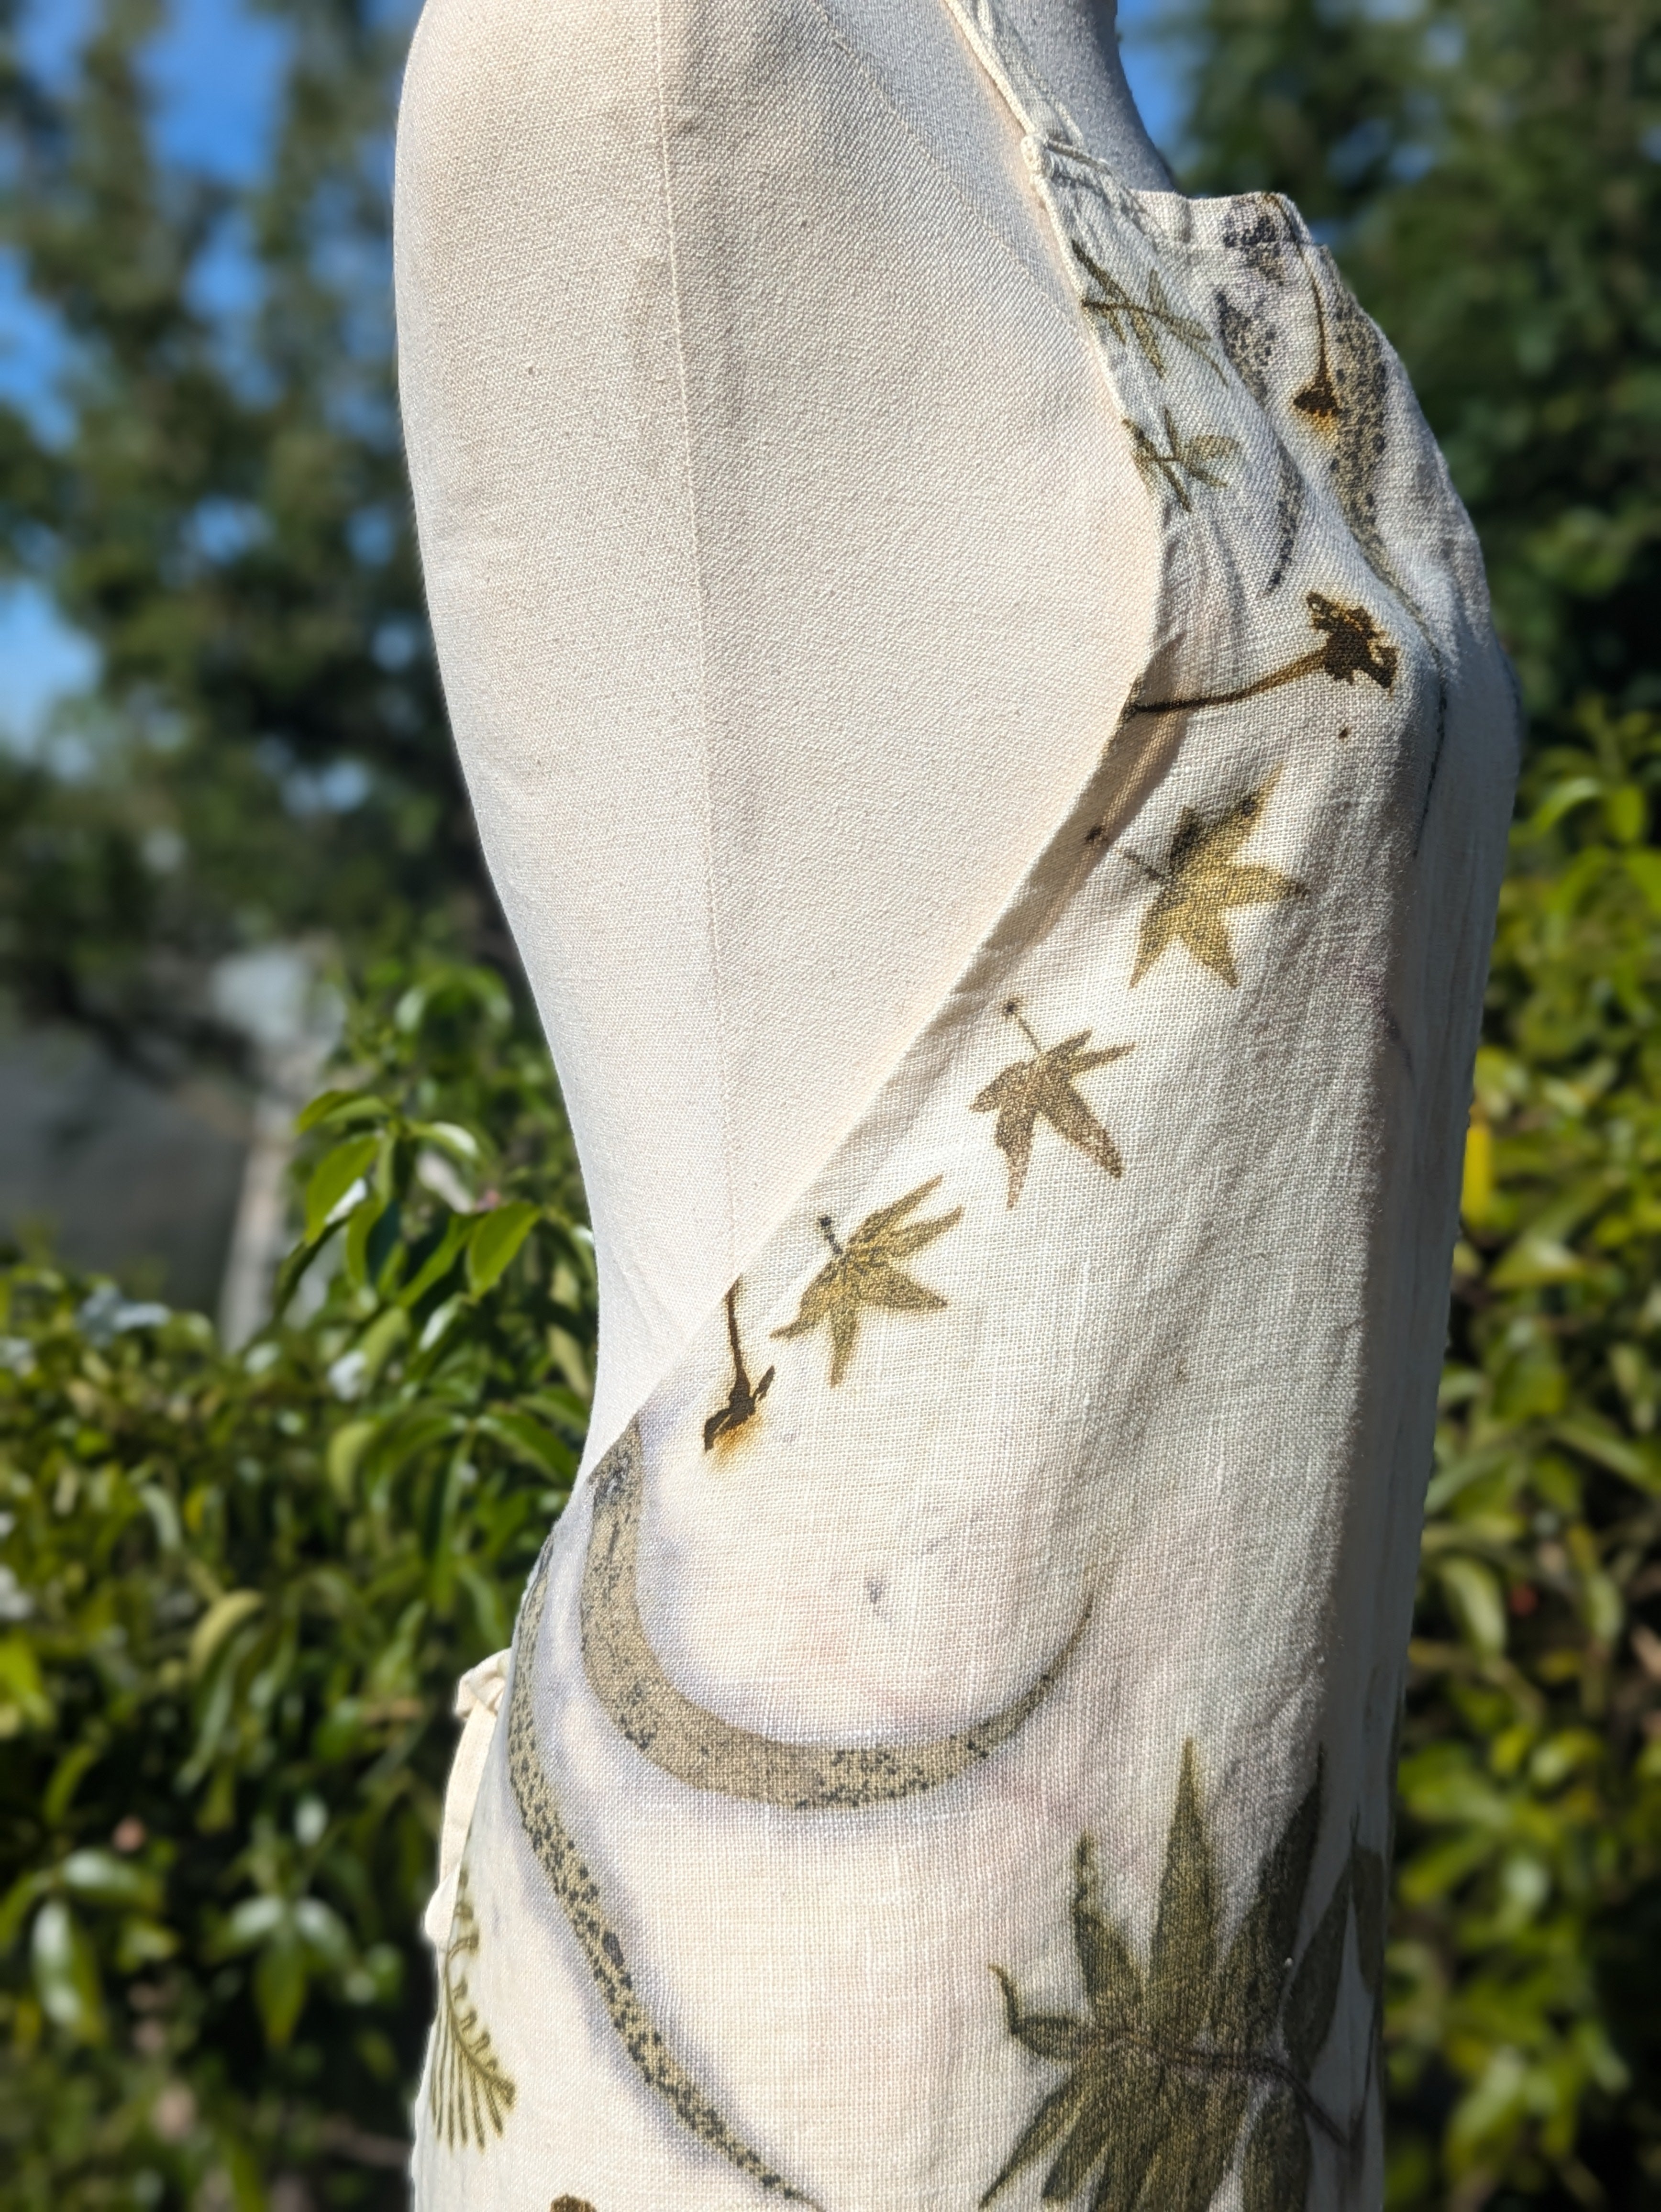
(1644, 869)
(495, 1242)
(66, 1977)
(439, 1262)
(528, 1440)
(1182, 1961)
(222, 1617)
(1477, 1601)
(1313, 1997)
(1276, 2173)
(337, 1106)
(103, 1879)
(280, 1977)
(346, 1447)
(1047, 2126)
(333, 1177)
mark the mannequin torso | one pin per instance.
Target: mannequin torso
(779, 541)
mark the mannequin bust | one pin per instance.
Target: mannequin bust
(777, 541)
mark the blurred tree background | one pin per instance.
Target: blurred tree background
(236, 1584)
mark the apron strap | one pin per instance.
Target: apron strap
(1002, 54)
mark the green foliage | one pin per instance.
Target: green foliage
(237, 1593)
(1525, 1952)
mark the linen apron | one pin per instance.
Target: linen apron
(947, 1752)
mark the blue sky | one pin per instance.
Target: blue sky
(216, 71)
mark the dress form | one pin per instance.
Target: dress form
(787, 567)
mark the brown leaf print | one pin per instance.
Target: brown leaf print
(1354, 646)
(743, 1400)
(1043, 1089)
(866, 1272)
(1201, 882)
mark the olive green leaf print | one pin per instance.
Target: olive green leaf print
(1354, 646)
(580, 1899)
(570, 2205)
(866, 1272)
(1201, 881)
(1143, 320)
(1290, 492)
(1195, 458)
(1043, 1088)
(698, 1746)
(468, 2085)
(1164, 2067)
(743, 1398)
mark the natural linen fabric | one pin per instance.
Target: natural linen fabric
(948, 1741)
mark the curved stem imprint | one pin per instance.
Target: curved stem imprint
(697, 1746)
(578, 1896)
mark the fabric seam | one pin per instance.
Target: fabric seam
(711, 918)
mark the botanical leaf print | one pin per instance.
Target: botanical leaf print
(468, 2084)
(1257, 232)
(707, 1752)
(1201, 881)
(579, 1895)
(1354, 646)
(866, 1272)
(1165, 2066)
(1042, 1088)
(1248, 341)
(570, 2205)
(743, 1399)
(1195, 458)
(1290, 494)
(1143, 320)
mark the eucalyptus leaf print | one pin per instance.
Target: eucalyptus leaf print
(1169, 2063)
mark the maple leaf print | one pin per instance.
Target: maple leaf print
(866, 1272)
(1143, 320)
(1195, 458)
(1043, 1089)
(1201, 881)
(743, 1398)
(1169, 2060)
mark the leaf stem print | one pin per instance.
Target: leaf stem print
(866, 1271)
(1201, 882)
(1140, 321)
(580, 1899)
(1354, 646)
(469, 2084)
(1042, 1088)
(742, 1401)
(698, 1746)
(1163, 2068)
(1195, 458)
